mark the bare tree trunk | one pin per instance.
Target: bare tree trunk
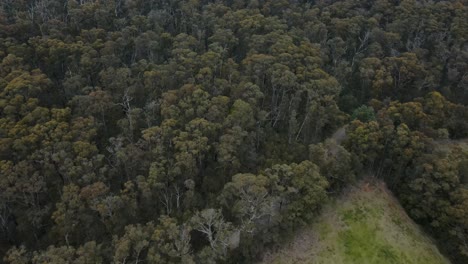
(126, 99)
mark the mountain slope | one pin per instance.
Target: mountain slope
(365, 225)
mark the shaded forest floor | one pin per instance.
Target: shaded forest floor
(364, 225)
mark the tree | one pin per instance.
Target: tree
(301, 190)
(248, 199)
(364, 114)
(134, 242)
(171, 242)
(217, 231)
(366, 141)
(335, 163)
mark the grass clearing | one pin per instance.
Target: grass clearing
(365, 225)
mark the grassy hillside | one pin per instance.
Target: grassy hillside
(365, 225)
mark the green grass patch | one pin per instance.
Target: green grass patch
(365, 226)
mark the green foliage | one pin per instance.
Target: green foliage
(364, 114)
(117, 113)
(335, 163)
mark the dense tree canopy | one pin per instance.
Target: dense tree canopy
(171, 131)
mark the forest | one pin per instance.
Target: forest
(198, 131)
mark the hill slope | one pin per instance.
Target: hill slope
(365, 225)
